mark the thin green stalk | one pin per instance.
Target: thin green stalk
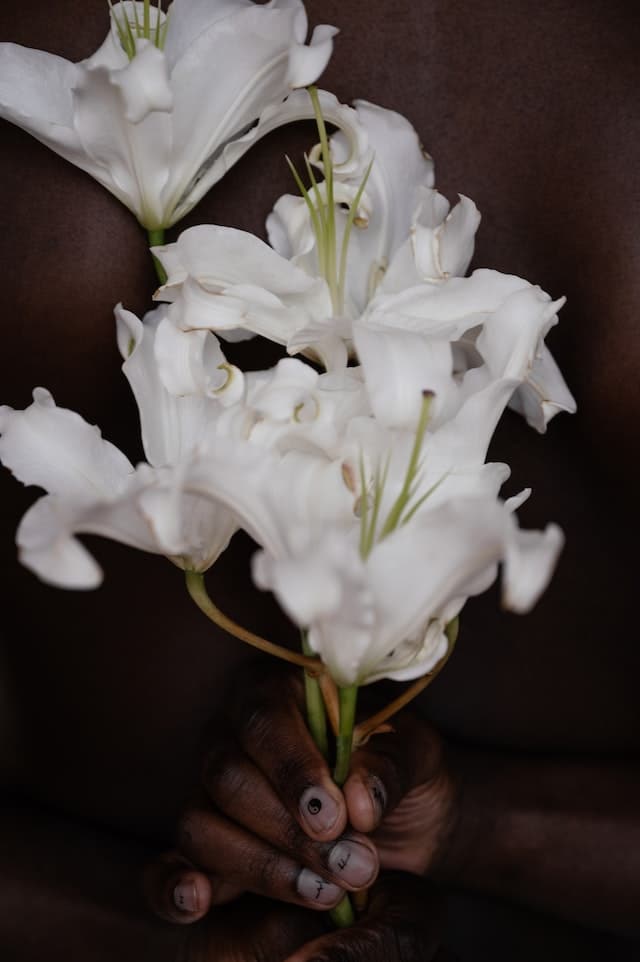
(343, 915)
(156, 239)
(348, 702)
(367, 728)
(316, 714)
(197, 589)
(315, 212)
(395, 514)
(353, 210)
(327, 164)
(322, 218)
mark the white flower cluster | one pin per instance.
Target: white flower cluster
(360, 471)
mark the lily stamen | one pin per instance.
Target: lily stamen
(321, 205)
(131, 30)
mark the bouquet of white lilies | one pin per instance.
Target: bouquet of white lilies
(357, 463)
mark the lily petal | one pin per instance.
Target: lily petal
(544, 394)
(530, 561)
(36, 94)
(57, 450)
(193, 363)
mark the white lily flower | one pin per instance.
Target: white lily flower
(404, 231)
(384, 616)
(455, 339)
(282, 293)
(167, 104)
(93, 488)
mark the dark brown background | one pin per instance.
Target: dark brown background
(530, 109)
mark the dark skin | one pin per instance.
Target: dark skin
(531, 113)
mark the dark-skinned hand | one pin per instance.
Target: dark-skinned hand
(401, 924)
(269, 820)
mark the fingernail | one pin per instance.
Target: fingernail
(315, 889)
(379, 795)
(185, 896)
(353, 862)
(318, 809)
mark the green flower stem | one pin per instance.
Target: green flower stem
(197, 589)
(343, 914)
(316, 714)
(156, 239)
(348, 701)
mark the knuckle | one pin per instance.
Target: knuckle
(224, 777)
(255, 728)
(291, 772)
(190, 830)
(293, 838)
(266, 870)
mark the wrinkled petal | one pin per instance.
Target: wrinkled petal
(511, 336)
(132, 160)
(193, 363)
(172, 427)
(414, 658)
(57, 450)
(455, 307)
(544, 394)
(327, 590)
(443, 240)
(151, 514)
(308, 61)
(36, 94)
(244, 478)
(144, 83)
(46, 547)
(530, 561)
(221, 278)
(399, 366)
(420, 567)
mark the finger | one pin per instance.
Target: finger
(234, 784)
(388, 767)
(178, 892)
(227, 851)
(273, 732)
(402, 925)
(252, 929)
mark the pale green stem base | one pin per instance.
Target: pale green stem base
(156, 238)
(348, 701)
(316, 714)
(343, 914)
